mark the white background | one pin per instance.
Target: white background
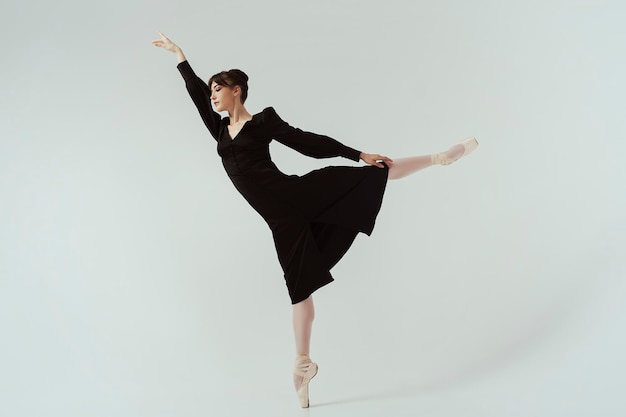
(136, 281)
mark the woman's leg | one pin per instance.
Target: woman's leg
(305, 369)
(303, 315)
(401, 167)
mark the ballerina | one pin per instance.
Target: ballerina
(314, 218)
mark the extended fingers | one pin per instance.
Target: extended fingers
(160, 42)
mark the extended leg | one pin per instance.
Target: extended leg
(401, 167)
(305, 369)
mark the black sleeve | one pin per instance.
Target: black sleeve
(201, 95)
(307, 143)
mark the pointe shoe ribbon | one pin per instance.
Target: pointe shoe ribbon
(307, 370)
(442, 158)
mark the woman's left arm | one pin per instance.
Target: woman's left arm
(312, 144)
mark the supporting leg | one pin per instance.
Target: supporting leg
(305, 369)
(303, 315)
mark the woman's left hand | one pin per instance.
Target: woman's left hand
(374, 158)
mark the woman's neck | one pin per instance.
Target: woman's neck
(239, 114)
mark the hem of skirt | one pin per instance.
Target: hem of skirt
(315, 288)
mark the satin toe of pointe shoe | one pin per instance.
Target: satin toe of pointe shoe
(468, 145)
(305, 369)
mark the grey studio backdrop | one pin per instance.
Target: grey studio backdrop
(493, 287)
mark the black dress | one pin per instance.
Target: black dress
(315, 217)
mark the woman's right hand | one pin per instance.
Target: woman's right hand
(165, 43)
(168, 45)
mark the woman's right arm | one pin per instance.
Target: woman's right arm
(198, 90)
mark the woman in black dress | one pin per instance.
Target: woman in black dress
(314, 218)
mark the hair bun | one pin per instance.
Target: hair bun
(239, 74)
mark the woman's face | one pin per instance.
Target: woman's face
(223, 97)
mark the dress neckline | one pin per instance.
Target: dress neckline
(227, 120)
(234, 137)
(256, 118)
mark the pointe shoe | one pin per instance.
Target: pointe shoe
(468, 144)
(305, 369)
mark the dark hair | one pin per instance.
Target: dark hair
(232, 78)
